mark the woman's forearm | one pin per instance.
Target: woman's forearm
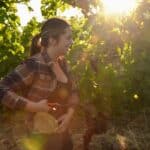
(41, 106)
(31, 106)
(70, 111)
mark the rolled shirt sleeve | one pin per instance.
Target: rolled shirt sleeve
(14, 82)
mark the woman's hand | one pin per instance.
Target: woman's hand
(64, 121)
(54, 107)
(41, 106)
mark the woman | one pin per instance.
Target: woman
(42, 78)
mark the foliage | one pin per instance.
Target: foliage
(109, 60)
(10, 47)
(112, 61)
(49, 8)
(31, 29)
(109, 57)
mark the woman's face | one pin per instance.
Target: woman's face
(64, 42)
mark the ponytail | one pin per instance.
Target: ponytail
(35, 45)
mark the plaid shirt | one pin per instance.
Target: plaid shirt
(33, 80)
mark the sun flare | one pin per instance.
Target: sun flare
(121, 7)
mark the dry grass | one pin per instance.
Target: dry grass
(129, 134)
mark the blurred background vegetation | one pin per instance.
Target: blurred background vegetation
(110, 57)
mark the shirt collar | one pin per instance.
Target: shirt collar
(47, 58)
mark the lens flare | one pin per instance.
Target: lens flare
(122, 7)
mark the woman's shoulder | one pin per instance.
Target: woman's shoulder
(33, 62)
(37, 64)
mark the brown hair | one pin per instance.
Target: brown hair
(53, 27)
(35, 45)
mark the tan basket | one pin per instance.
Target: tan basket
(44, 123)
